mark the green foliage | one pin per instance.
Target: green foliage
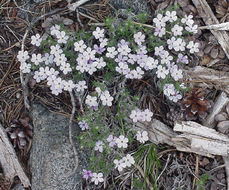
(202, 181)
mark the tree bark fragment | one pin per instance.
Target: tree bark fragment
(9, 161)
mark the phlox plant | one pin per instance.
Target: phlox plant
(90, 63)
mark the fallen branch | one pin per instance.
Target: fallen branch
(9, 161)
(210, 19)
(187, 136)
(70, 131)
(221, 26)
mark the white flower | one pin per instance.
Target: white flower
(192, 28)
(62, 37)
(170, 42)
(106, 98)
(103, 42)
(56, 50)
(179, 45)
(194, 47)
(158, 50)
(60, 59)
(36, 40)
(36, 59)
(68, 85)
(37, 76)
(122, 141)
(135, 115)
(55, 29)
(168, 89)
(91, 101)
(48, 59)
(98, 33)
(100, 63)
(91, 68)
(59, 83)
(112, 140)
(99, 146)
(22, 56)
(96, 178)
(51, 79)
(81, 86)
(43, 72)
(119, 164)
(79, 46)
(177, 30)
(176, 74)
(83, 125)
(159, 31)
(56, 90)
(160, 20)
(65, 68)
(98, 90)
(166, 58)
(147, 115)
(139, 38)
(111, 52)
(161, 72)
(89, 53)
(171, 16)
(187, 19)
(141, 50)
(176, 96)
(128, 160)
(25, 68)
(142, 137)
(124, 50)
(151, 63)
(52, 71)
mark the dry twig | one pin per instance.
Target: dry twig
(70, 130)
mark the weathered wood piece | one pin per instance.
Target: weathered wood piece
(187, 136)
(210, 19)
(222, 100)
(203, 139)
(75, 5)
(8, 159)
(221, 26)
(206, 77)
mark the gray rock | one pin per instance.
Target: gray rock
(138, 6)
(52, 158)
(18, 187)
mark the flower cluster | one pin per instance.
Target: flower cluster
(175, 43)
(171, 92)
(138, 115)
(131, 59)
(142, 137)
(126, 161)
(104, 96)
(96, 178)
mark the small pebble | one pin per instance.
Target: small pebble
(18, 95)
